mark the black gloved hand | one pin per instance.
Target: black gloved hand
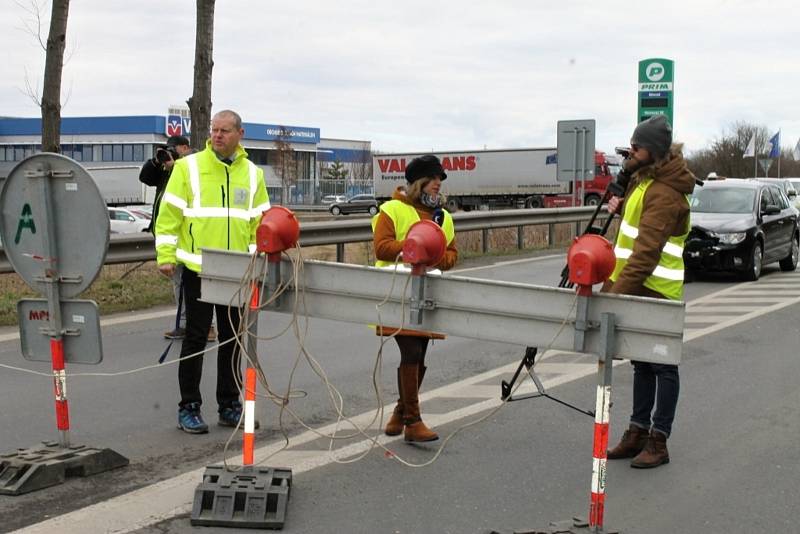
(438, 216)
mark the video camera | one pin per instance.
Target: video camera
(166, 153)
(620, 184)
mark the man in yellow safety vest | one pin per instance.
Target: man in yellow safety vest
(214, 199)
(649, 251)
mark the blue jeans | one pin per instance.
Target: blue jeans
(659, 385)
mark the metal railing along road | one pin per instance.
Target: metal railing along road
(129, 248)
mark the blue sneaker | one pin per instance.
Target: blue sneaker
(230, 414)
(190, 420)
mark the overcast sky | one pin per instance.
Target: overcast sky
(431, 75)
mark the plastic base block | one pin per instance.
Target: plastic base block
(49, 464)
(254, 497)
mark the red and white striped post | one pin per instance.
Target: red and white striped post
(249, 436)
(599, 457)
(60, 388)
(249, 416)
(605, 365)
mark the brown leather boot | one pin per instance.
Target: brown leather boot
(415, 429)
(394, 426)
(654, 453)
(631, 444)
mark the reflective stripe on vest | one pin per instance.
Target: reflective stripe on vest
(667, 277)
(404, 216)
(208, 204)
(197, 210)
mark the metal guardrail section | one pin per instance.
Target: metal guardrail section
(646, 329)
(126, 248)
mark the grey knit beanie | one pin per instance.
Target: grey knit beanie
(654, 134)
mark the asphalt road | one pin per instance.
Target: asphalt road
(734, 453)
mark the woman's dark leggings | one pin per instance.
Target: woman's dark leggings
(412, 349)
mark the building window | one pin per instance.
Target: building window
(87, 152)
(127, 152)
(107, 153)
(258, 156)
(117, 151)
(138, 152)
(97, 153)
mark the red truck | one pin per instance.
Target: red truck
(484, 179)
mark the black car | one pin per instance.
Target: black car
(355, 204)
(739, 225)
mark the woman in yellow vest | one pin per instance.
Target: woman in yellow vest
(649, 250)
(420, 200)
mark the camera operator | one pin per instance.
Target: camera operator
(649, 250)
(156, 172)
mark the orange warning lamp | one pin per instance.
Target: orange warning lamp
(424, 245)
(591, 260)
(278, 230)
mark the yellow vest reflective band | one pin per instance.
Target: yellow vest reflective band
(667, 277)
(209, 204)
(404, 216)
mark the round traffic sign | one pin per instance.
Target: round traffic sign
(52, 217)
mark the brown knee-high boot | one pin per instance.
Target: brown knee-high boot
(415, 429)
(394, 426)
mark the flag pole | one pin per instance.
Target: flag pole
(755, 165)
(779, 153)
(755, 159)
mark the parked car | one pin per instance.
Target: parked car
(145, 210)
(795, 182)
(740, 225)
(788, 187)
(331, 199)
(355, 204)
(125, 221)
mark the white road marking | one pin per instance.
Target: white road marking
(504, 263)
(709, 318)
(708, 308)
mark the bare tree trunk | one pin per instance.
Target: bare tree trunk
(54, 64)
(200, 102)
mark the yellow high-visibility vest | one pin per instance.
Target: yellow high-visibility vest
(404, 216)
(209, 204)
(667, 277)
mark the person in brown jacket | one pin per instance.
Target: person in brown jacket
(649, 252)
(419, 200)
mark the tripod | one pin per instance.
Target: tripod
(616, 189)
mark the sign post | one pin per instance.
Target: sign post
(575, 145)
(656, 81)
(55, 228)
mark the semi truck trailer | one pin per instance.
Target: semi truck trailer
(485, 179)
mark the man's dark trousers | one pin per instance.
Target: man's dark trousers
(198, 321)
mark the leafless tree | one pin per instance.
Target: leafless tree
(286, 164)
(725, 155)
(53, 67)
(54, 46)
(361, 169)
(200, 101)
